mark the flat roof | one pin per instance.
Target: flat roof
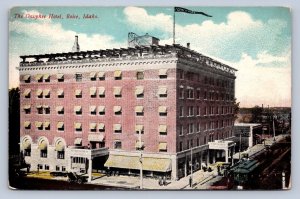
(247, 124)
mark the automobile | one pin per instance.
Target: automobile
(77, 178)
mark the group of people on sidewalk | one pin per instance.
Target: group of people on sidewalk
(162, 181)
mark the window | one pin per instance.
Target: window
(78, 110)
(46, 78)
(40, 166)
(181, 111)
(187, 144)
(27, 109)
(181, 74)
(162, 92)
(139, 111)
(46, 93)
(60, 110)
(190, 111)
(117, 128)
(118, 92)
(205, 95)
(93, 127)
(162, 129)
(140, 75)
(57, 168)
(139, 128)
(139, 91)
(101, 76)
(93, 76)
(117, 144)
(39, 125)
(39, 93)
(60, 126)
(78, 93)
(27, 152)
(101, 91)
(39, 109)
(39, 78)
(190, 92)
(60, 77)
(60, 155)
(60, 93)
(162, 147)
(93, 91)
(181, 93)
(78, 77)
(198, 127)
(27, 93)
(101, 127)
(198, 111)
(180, 146)
(118, 110)
(139, 145)
(78, 127)
(162, 111)
(198, 94)
(118, 75)
(27, 125)
(47, 109)
(63, 168)
(43, 153)
(198, 142)
(163, 73)
(26, 78)
(101, 110)
(191, 128)
(192, 143)
(181, 130)
(47, 126)
(46, 167)
(93, 110)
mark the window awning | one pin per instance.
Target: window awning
(26, 77)
(117, 73)
(93, 75)
(77, 108)
(43, 145)
(77, 125)
(27, 124)
(162, 128)
(139, 144)
(26, 107)
(101, 74)
(117, 108)
(93, 126)
(133, 162)
(163, 71)
(139, 127)
(38, 124)
(139, 109)
(162, 90)
(117, 127)
(26, 144)
(78, 92)
(96, 137)
(101, 90)
(93, 91)
(60, 92)
(46, 124)
(59, 108)
(46, 92)
(27, 92)
(162, 146)
(101, 108)
(39, 92)
(92, 108)
(60, 76)
(46, 76)
(162, 109)
(60, 125)
(39, 106)
(60, 146)
(101, 126)
(78, 141)
(46, 106)
(139, 90)
(38, 77)
(117, 90)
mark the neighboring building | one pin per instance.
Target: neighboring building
(83, 110)
(248, 133)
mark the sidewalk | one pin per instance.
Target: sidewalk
(201, 180)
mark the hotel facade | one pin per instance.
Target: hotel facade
(169, 107)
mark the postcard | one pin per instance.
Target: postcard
(150, 98)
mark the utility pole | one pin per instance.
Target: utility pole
(273, 129)
(240, 145)
(191, 166)
(141, 160)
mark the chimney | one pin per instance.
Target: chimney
(76, 47)
(188, 45)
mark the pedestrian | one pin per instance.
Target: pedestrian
(159, 180)
(191, 181)
(164, 181)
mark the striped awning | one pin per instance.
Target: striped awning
(117, 108)
(60, 92)
(101, 90)
(38, 77)
(139, 109)
(162, 146)
(38, 124)
(139, 127)
(27, 92)
(101, 108)
(46, 106)
(93, 126)
(27, 124)
(46, 124)
(133, 162)
(46, 77)
(93, 91)
(59, 108)
(162, 90)
(101, 126)
(77, 125)
(93, 75)
(117, 73)
(26, 107)
(46, 92)
(43, 145)
(60, 146)
(26, 77)
(163, 72)
(78, 92)
(60, 125)
(162, 128)
(77, 108)
(92, 108)
(60, 76)
(139, 90)
(117, 127)
(26, 144)
(101, 74)
(162, 109)
(78, 141)
(39, 106)
(117, 90)
(39, 92)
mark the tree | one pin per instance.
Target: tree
(236, 108)
(256, 112)
(14, 121)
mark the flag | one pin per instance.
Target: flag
(180, 9)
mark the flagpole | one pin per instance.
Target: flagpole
(174, 26)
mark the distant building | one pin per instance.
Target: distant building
(248, 133)
(84, 110)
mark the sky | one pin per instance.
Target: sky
(254, 40)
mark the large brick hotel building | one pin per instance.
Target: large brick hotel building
(84, 110)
